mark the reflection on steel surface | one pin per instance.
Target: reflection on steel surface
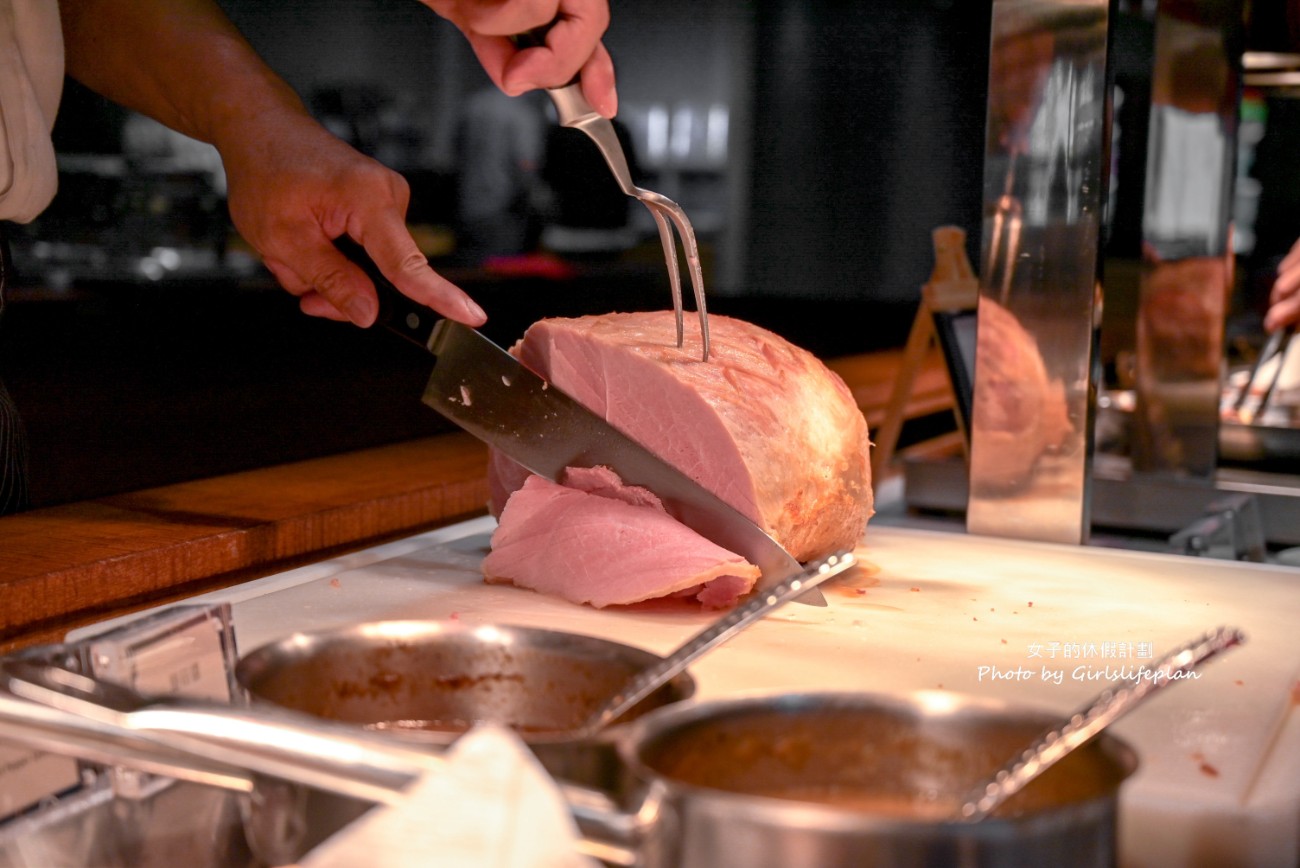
(1186, 277)
(1044, 182)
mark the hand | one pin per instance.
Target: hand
(294, 188)
(572, 46)
(1284, 299)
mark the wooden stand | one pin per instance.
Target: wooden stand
(952, 287)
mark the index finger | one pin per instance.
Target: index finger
(598, 83)
(1282, 313)
(397, 256)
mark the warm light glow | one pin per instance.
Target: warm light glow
(489, 633)
(937, 701)
(1273, 79)
(395, 630)
(1252, 60)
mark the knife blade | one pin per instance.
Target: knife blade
(493, 396)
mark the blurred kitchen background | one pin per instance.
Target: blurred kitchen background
(814, 144)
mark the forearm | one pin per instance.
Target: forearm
(181, 62)
(293, 186)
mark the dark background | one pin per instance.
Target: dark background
(854, 129)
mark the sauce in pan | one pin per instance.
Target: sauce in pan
(858, 800)
(454, 726)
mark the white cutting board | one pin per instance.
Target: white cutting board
(1219, 782)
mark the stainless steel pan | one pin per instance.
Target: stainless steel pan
(803, 779)
(428, 681)
(843, 780)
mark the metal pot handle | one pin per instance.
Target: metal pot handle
(58, 710)
(60, 732)
(607, 832)
(209, 737)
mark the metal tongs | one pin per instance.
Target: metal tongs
(576, 113)
(1275, 349)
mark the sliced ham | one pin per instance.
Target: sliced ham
(598, 549)
(763, 424)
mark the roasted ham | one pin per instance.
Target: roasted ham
(607, 544)
(763, 424)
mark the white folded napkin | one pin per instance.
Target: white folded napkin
(493, 806)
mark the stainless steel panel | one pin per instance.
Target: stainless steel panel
(1141, 504)
(1044, 192)
(1187, 258)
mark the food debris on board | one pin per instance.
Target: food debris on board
(857, 581)
(1205, 767)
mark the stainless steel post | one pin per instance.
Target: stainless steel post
(1044, 180)
(1186, 271)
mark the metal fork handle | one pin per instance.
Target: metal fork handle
(576, 113)
(572, 105)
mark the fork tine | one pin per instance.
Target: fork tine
(687, 232)
(575, 112)
(670, 257)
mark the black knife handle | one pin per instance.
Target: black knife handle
(397, 313)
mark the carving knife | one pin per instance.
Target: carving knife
(493, 396)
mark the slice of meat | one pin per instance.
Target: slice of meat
(763, 424)
(605, 482)
(593, 546)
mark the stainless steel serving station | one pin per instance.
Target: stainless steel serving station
(1015, 608)
(1148, 449)
(1037, 624)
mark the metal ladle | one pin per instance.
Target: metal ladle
(650, 679)
(1088, 722)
